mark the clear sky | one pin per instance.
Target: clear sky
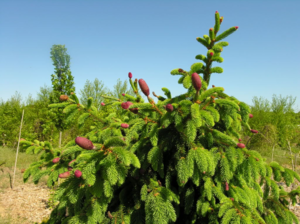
(108, 39)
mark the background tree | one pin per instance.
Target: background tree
(278, 112)
(121, 88)
(10, 114)
(95, 90)
(62, 84)
(283, 116)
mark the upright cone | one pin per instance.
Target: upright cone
(196, 81)
(84, 143)
(144, 87)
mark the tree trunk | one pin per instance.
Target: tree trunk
(12, 186)
(273, 153)
(59, 144)
(291, 154)
(295, 162)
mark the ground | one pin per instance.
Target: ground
(25, 203)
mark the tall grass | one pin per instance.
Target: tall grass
(7, 163)
(8, 155)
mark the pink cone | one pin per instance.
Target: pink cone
(56, 160)
(64, 175)
(125, 125)
(77, 173)
(144, 87)
(196, 81)
(226, 186)
(129, 75)
(126, 105)
(169, 107)
(84, 143)
(240, 145)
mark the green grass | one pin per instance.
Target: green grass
(281, 156)
(9, 220)
(7, 164)
(8, 155)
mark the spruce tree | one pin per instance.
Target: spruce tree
(175, 161)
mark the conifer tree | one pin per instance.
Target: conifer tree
(175, 161)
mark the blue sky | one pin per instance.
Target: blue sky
(108, 39)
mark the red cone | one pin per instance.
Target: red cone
(84, 143)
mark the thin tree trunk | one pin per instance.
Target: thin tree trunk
(59, 144)
(12, 186)
(295, 164)
(273, 153)
(291, 154)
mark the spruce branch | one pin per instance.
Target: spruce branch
(154, 106)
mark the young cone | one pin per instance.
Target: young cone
(226, 186)
(196, 81)
(125, 125)
(126, 105)
(84, 143)
(240, 145)
(56, 160)
(64, 175)
(77, 173)
(144, 87)
(169, 107)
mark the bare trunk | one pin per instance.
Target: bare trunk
(59, 144)
(12, 186)
(290, 149)
(295, 164)
(273, 153)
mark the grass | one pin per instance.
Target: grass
(7, 164)
(8, 155)
(281, 156)
(10, 220)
